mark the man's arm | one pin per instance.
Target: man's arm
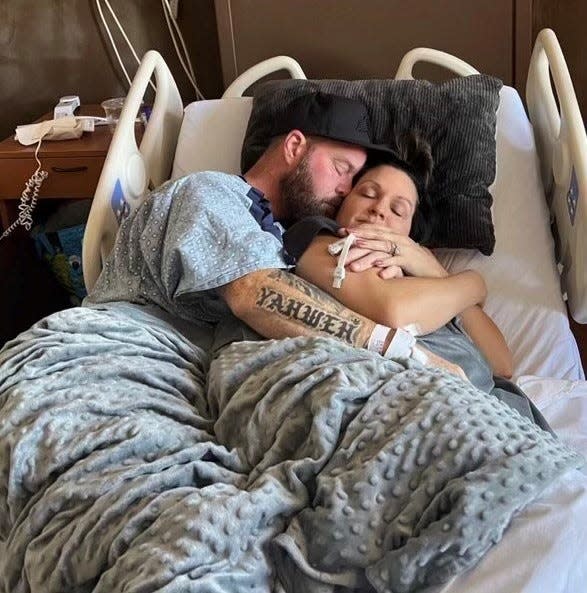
(278, 304)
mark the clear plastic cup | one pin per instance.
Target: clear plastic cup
(112, 109)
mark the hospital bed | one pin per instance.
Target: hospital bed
(547, 149)
(538, 160)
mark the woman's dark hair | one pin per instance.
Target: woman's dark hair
(412, 154)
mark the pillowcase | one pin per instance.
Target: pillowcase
(457, 118)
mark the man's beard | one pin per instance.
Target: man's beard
(298, 197)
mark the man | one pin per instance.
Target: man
(210, 244)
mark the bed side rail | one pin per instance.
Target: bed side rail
(258, 71)
(129, 171)
(561, 142)
(432, 56)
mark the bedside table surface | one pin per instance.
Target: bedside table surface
(94, 143)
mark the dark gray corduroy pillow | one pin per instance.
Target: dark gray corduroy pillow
(457, 117)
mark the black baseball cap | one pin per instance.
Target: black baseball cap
(329, 116)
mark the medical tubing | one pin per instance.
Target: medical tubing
(99, 7)
(113, 44)
(122, 31)
(169, 18)
(339, 271)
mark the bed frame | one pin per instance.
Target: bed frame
(129, 171)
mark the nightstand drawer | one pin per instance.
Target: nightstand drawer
(71, 177)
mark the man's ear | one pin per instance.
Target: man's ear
(295, 145)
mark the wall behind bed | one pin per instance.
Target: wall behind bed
(567, 19)
(51, 48)
(367, 39)
(55, 47)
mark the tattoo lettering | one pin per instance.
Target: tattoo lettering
(307, 289)
(309, 315)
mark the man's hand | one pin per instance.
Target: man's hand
(396, 255)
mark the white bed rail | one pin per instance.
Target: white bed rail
(258, 71)
(129, 171)
(562, 146)
(432, 56)
(561, 143)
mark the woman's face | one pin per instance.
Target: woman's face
(385, 196)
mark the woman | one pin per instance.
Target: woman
(398, 282)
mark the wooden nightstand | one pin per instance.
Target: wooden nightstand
(74, 166)
(29, 290)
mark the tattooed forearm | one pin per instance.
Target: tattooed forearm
(277, 304)
(308, 314)
(308, 289)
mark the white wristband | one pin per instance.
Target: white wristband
(401, 345)
(377, 339)
(419, 355)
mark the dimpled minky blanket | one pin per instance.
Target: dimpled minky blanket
(130, 462)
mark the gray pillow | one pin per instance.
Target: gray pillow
(457, 117)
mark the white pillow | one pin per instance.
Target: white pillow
(211, 136)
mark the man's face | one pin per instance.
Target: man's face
(321, 180)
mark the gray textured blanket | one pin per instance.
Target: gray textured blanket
(129, 462)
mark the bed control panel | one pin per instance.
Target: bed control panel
(573, 197)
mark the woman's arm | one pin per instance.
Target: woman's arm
(489, 339)
(421, 262)
(428, 303)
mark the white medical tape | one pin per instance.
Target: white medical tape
(336, 247)
(419, 355)
(413, 328)
(339, 272)
(377, 339)
(401, 345)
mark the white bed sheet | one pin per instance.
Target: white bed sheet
(524, 285)
(545, 547)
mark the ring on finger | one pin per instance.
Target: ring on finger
(394, 249)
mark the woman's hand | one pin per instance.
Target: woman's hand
(379, 247)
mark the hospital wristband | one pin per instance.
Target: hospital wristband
(378, 338)
(402, 344)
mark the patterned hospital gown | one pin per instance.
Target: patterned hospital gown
(189, 237)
